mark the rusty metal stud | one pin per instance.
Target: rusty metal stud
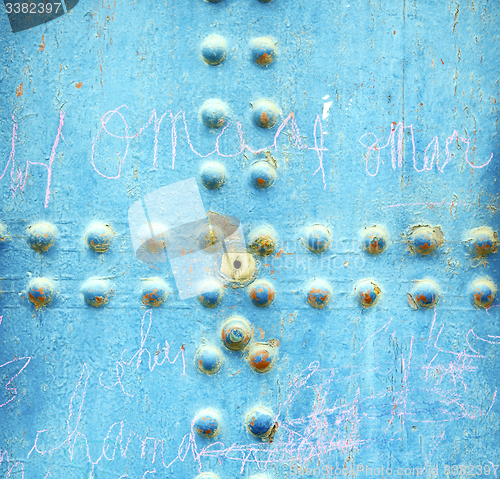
(236, 333)
(211, 293)
(214, 49)
(209, 359)
(154, 292)
(319, 294)
(262, 241)
(263, 51)
(261, 423)
(96, 292)
(368, 292)
(262, 175)
(98, 237)
(425, 239)
(374, 240)
(317, 238)
(213, 175)
(41, 236)
(265, 113)
(425, 294)
(484, 241)
(40, 291)
(261, 293)
(262, 355)
(214, 113)
(207, 423)
(483, 292)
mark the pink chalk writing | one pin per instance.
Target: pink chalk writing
(137, 357)
(335, 422)
(16, 175)
(174, 118)
(12, 391)
(373, 145)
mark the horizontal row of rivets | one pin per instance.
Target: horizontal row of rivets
(259, 422)
(154, 292)
(214, 50)
(423, 240)
(425, 293)
(261, 356)
(214, 113)
(262, 175)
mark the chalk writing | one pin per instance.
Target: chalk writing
(336, 422)
(12, 391)
(16, 175)
(397, 150)
(120, 365)
(295, 133)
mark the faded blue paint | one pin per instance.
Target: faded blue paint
(382, 386)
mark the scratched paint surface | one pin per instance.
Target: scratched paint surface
(388, 116)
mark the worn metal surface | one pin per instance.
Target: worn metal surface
(379, 347)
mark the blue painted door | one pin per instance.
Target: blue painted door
(243, 238)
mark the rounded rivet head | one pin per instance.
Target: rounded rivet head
(211, 293)
(208, 359)
(96, 292)
(263, 51)
(98, 237)
(214, 113)
(483, 292)
(236, 333)
(262, 175)
(317, 238)
(424, 240)
(213, 175)
(210, 237)
(261, 356)
(207, 423)
(262, 241)
(153, 237)
(374, 240)
(319, 294)
(235, 266)
(261, 293)
(41, 236)
(213, 49)
(260, 422)
(154, 292)
(265, 113)
(3, 232)
(207, 475)
(368, 293)
(484, 241)
(425, 293)
(40, 291)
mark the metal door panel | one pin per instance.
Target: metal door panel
(387, 116)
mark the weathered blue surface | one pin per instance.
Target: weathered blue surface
(388, 116)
